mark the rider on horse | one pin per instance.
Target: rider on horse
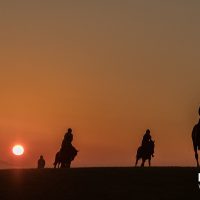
(67, 152)
(146, 140)
(146, 150)
(68, 138)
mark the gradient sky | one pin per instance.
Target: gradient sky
(107, 69)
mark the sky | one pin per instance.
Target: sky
(107, 69)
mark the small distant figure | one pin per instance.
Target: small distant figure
(146, 150)
(41, 163)
(67, 152)
(196, 140)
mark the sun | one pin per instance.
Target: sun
(18, 150)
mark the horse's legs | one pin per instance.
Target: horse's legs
(136, 162)
(197, 162)
(149, 162)
(197, 158)
(62, 165)
(68, 164)
(143, 161)
(55, 164)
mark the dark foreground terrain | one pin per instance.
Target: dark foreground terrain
(100, 183)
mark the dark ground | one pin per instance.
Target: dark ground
(100, 183)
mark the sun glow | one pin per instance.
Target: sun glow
(18, 150)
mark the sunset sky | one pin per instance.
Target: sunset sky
(108, 69)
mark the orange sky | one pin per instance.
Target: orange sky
(109, 70)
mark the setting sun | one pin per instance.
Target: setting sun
(18, 150)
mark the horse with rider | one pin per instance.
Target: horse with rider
(67, 152)
(146, 150)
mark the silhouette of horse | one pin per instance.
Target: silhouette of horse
(63, 159)
(145, 153)
(196, 140)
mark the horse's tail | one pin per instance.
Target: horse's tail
(57, 158)
(139, 152)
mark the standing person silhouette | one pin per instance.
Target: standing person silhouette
(196, 139)
(41, 162)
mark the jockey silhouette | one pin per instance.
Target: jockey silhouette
(146, 140)
(68, 138)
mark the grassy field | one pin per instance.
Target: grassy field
(100, 183)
